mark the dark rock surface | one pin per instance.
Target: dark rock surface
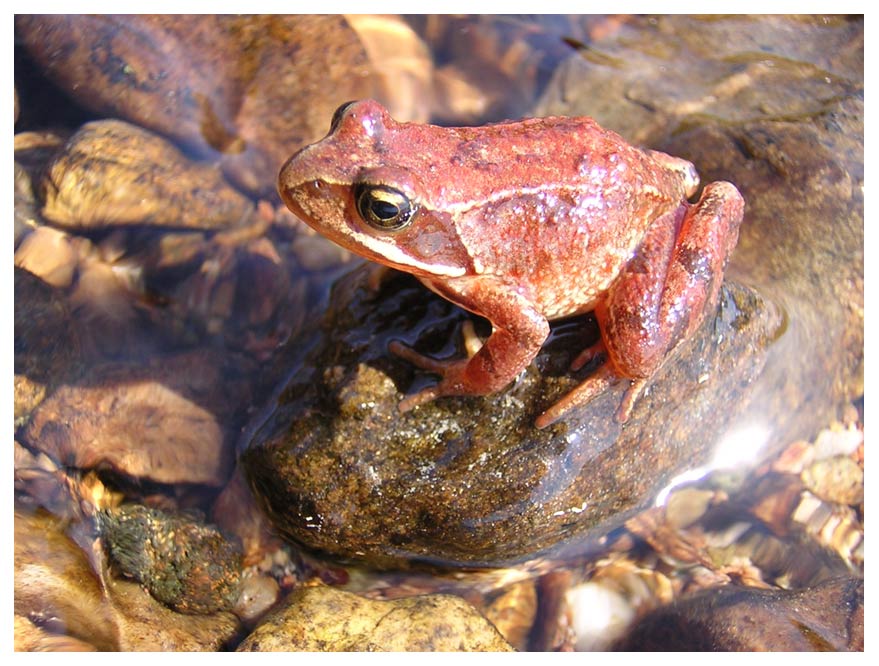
(827, 617)
(471, 481)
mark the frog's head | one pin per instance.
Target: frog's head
(353, 189)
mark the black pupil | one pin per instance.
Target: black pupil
(384, 210)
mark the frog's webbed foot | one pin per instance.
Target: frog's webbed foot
(451, 372)
(518, 332)
(592, 387)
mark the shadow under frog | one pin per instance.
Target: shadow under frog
(469, 481)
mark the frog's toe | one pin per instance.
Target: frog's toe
(417, 359)
(629, 398)
(412, 401)
(581, 395)
(585, 356)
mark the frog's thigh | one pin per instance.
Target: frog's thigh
(663, 294)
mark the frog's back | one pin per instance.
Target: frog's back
(564, 198)
(469, 166)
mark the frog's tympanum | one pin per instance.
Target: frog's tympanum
(523, 223)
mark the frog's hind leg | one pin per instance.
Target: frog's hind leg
(666, 290)
(660, 298)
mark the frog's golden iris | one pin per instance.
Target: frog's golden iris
(383, 208)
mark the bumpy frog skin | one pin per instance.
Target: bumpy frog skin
(523, 223)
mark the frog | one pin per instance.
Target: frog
(524, 223)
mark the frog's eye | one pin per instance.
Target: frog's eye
(337, 116)
(383, 207)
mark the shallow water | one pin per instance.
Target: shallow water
(162, 343)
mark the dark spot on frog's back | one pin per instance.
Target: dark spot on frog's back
(468, 151)
(695, 263)
(486, 166)
(476, 164)
(638, 264)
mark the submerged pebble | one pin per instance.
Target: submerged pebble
(325, 619)
(187, 565)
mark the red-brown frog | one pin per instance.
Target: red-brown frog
(523, 223)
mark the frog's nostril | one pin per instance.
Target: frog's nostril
(313, 188)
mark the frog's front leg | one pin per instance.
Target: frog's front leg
(518, 333)
(662, 295)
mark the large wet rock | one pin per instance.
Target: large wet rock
(471, 481)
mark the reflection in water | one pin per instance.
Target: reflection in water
(741, 447)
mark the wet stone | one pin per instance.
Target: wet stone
(189, 566)
(25, 215)
(47, 342)
(326, 619)
(775, 67)
(471, 481)
(30, 637)
(49, 254)
(114, 173)
(62, 588)
(839, 479)
(512, 611)
(169, 419)
(827, 617)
